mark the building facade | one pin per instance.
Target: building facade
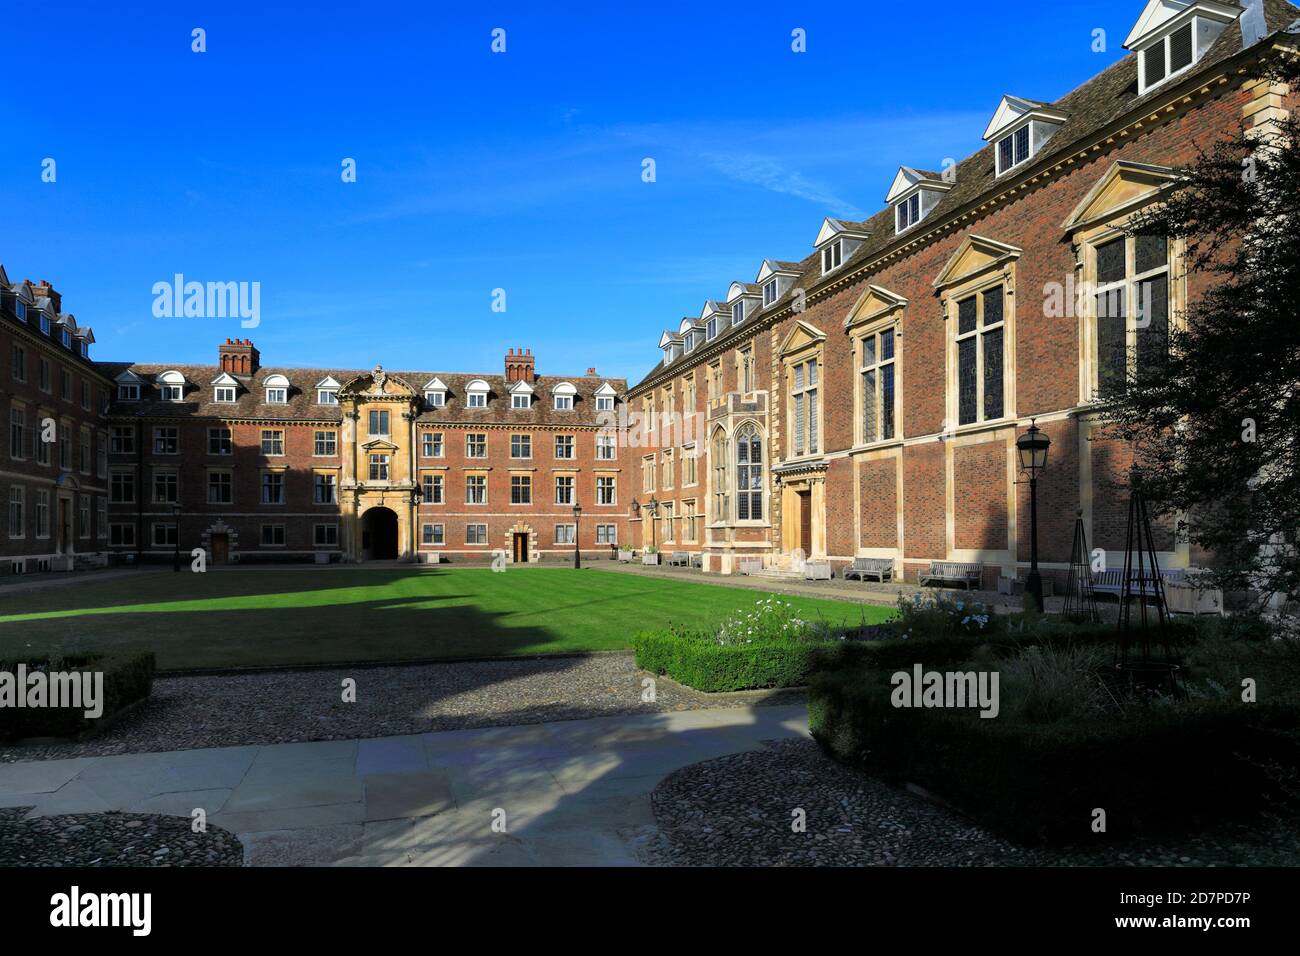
(268, 464)
(865, 400)
(53, 466)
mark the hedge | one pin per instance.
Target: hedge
(128, 678)
(1163, 768)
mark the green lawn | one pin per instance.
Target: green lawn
(242, 618)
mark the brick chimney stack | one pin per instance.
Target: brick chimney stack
(239, 357)
(591, 373)
(43, 290)
(519, 365)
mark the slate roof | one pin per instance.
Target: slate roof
(250, 400)
(1091, 107)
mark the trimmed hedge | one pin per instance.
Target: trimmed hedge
(1166, 767)
(128, 678)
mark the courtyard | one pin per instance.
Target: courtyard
(294, 616)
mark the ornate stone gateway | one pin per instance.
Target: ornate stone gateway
(378, 492)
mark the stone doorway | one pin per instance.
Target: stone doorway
(379, 535)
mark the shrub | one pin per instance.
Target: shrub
(1047, 683)
(1153, 769)
(697, 660)
(128, 678)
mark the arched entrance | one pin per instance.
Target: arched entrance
(379, 535)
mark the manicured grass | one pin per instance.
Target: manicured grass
(264, 617)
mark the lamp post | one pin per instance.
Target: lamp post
(1032, 447)
(176, 551)
(577, 555)
(653, 508)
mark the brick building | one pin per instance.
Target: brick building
(865, 400)
(262, 464)
(53, 465)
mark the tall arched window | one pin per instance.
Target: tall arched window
(749, 474)
(720, 466)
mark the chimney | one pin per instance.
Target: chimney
(43, 290)
(239, 357)
(1253, 26)
(591, 373)
(519, 365)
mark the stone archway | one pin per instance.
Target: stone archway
(379, 534)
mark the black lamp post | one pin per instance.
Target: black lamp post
(1032, 446)
(653, 508)
(176, 551)
(577, 554)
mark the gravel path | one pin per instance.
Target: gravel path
(736, 811)
(289, 706)
(112, 839)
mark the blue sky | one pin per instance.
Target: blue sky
(475, 170)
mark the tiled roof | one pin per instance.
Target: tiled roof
(1105, 98)
(250, 400)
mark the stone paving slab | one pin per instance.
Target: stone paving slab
(568, 793)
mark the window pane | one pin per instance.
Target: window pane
(869, 350)
(1022, 144)
(993, 306)
(1111, 350)
(1004, 153)
(887, 402)
(1180, 48)
(887, 344)
(869, 405)
(1153, 63)
(966, 315)
(1110, 262)
(1153, 324)
(993, 374)
(966, 381)
(1150, 252)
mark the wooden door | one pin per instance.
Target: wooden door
(521, 547)
(220, 549)
(805, 522)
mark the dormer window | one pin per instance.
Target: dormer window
(20, 309)
(521, 400)
(737, 312)
(477, 400)
(85, 349)
(832, 256)
(128, 392)
(770, 293)
(711, 329)
(563, 395)
(224, 394)
(435, 393)
(1172, 35)
(277, 390)
(171, 386)
(1168, 57)
(1019, 129)
(45, 324)
(1013, 150)
(909, 212)
(604, 403)
(66, 338)
(476, 394)
(327, 396)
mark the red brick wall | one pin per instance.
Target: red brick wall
(879, 491)
(980, 486)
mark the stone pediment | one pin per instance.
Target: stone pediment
(875, 303)
(379, 446)
(1124, 187)
(976, 254)
(802, 336)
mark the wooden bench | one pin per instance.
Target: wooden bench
(971, 575)
(697, 559)
(1112, 581)
(679, 558)
(879, 569)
